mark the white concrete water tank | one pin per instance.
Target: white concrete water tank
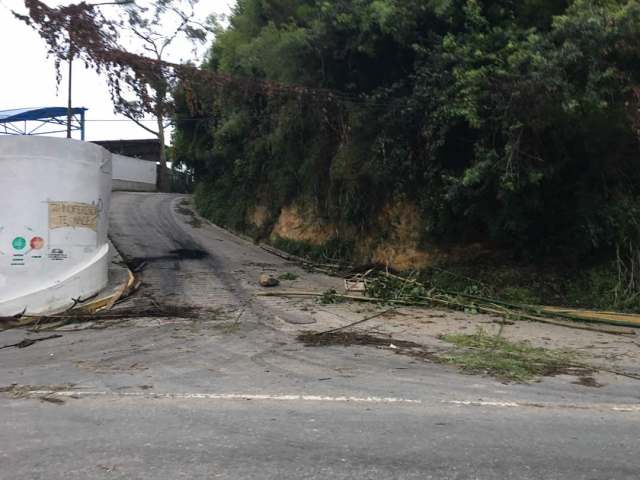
(54, 205)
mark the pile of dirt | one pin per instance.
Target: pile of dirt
(316, 339)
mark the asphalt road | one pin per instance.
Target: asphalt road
(234, 396)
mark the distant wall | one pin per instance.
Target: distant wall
(133, 175)
(147, 149)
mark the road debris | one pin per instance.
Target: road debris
(518, 361)
(587, 381)
(388, 288)
(116, 314)
(347, 339)
(355, 285)
(321, 339)
(27, 342)
(52, 399)
(573, 318)
(359, 322)
(267, 280)
(80, 309)
(32, 391)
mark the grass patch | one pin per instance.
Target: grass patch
(392, 288)
(334, 251)
(288, 276)
(228, 328)
(513, 361)
(595, 286)
(330, 297)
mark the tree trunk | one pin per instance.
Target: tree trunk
(163, 175)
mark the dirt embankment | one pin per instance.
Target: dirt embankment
(301, 224)
(393, 239)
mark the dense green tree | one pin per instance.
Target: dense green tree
(508, 121)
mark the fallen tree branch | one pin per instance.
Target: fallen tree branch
(379, 314)
(453, 304)
(535, 313)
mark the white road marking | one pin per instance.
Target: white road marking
(630, 408)
(622, 408)
(482, 403)
(228, 396)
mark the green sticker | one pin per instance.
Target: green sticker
(19, 243)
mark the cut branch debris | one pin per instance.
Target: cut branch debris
(410, 292)
(50, 322)
(359, 322)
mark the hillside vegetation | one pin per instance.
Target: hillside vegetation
(458, 131)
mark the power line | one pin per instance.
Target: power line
(177, 120)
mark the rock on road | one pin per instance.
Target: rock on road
(154, 399)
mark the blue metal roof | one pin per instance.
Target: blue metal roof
(42, 113)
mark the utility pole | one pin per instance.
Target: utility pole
(69, 107)
(71, 53)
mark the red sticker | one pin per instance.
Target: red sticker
(37, 243)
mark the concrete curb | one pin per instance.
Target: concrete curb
(106, 302)
(121, 282)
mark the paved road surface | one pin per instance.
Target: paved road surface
(233, 396)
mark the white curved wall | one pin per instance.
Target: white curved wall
(54, 204)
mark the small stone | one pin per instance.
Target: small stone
(267, 280)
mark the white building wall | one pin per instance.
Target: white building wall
(54, 204)
(133, 174)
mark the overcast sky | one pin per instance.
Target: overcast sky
(27, 77)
